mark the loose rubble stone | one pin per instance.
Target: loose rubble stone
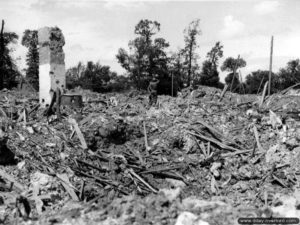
(186, 218)
(199, 151)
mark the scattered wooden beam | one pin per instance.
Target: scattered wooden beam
(145, 137)
(142, 180)
(161, 170)
(263, 95)
(91, 166)
(102, 181)
(3, 112)
(234, 72)
(220, 144)
(11, 179)
(223, 92)
(79, 133)
(270, 68)
(34, 108)
(81, 195)
(67, 185)
(217, 133)
(257, 139)
(24, 118)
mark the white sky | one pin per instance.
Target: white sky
(95, 30)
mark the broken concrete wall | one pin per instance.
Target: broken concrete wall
(52, 62)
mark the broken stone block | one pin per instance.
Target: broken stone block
(186, 218)
(288, 206)
(51, 63)
(171, 194)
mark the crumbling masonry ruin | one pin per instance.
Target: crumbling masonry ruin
(51, 63)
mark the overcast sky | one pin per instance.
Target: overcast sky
(95, 30)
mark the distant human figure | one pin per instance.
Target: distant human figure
(152, 89)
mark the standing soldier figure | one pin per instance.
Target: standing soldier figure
(152, 89)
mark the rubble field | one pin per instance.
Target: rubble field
(197, 159)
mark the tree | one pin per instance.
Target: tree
(92, 76)
(209, 75)
(76, 71)
(256, 81)
(158, 57)
(95, 77)
(232, 65)
(233, 81)
(118, 83)
(134, 62)
(215, 54)
(73, 75)
(30, 40)
(289, 75)
(147, 28)
(8, 68)
(146, 56)
(190, 38)
(176, 68)
(294, 66)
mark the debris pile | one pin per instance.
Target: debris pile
(199, 158)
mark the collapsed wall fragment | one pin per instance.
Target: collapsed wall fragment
(51, 62)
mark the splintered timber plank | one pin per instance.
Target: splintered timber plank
(145, 137)
(34, 108)
(217, 133)
(142, 180)
(263, 94)
(3, 113)
(223, 92)
(79, 133)
(68, 186)
(257, 139)
(220, 144)
(81, 193)
(8, 177)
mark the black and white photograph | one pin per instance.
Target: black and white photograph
(155, 112)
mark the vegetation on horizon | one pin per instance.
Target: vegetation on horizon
(148, 54)
(8, 70)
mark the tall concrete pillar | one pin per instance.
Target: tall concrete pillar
(52, 72)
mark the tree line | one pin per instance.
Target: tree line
(8, 68)
(148, 54)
